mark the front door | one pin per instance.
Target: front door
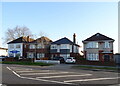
(106, 58)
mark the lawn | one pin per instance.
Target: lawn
(27, 63)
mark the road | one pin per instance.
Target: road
(61, 75)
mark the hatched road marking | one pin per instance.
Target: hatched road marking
(23, 71)
(92, 79)
(33, 71)
(18, 69)
(44, 73)
(36, 78)
(64, 76)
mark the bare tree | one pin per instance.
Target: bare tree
(42, 34)
(17, 32)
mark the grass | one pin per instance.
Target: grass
(27, 63)
(90, 67)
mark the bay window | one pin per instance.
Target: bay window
(92, 57)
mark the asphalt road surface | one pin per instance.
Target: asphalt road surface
(61, 75)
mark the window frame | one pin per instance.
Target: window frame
(18, 45)
(53, 46)
(92, 45)
(40, 55)
(11, 46)
(92, 57)
(106, 44)
(32, 46)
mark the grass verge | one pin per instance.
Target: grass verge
(27, 63)
(91, 67)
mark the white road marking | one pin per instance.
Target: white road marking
(8, 68)
(43, 73)
(37, 79)
(21, 69)
(34, 71)
(92, 79)
(16, 73)
(47, 80)
(13, 72)
(16, 68)
(64, 76)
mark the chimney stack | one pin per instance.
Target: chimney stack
(28, 39)
(74, 38)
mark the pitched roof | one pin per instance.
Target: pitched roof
(44, 39)
(3, 48)
(98, 37)
(64, 41)
(21, 40)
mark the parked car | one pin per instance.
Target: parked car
(2, 58)
(61, 59)
(70, 60)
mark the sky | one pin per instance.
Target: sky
(63, 19)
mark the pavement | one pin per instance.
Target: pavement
(61, 75)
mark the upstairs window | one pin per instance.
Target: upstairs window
(40, 46)
(53, 46)
(107, 45)
(17, 46)
(11, 46)
(64, 46)
(92, 45)
(32, 46)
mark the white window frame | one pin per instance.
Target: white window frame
(18, 46)
(53, 46)
(39, 46)
(92, 57)
(107, 44)
(30, 55)
(92, 45)
(64, 46)
(40, 55)
(32, 46)
(11, 46)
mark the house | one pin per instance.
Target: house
(98, 48)
(64, 48)
(18, 47)
(39, 48)
(3, 51)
